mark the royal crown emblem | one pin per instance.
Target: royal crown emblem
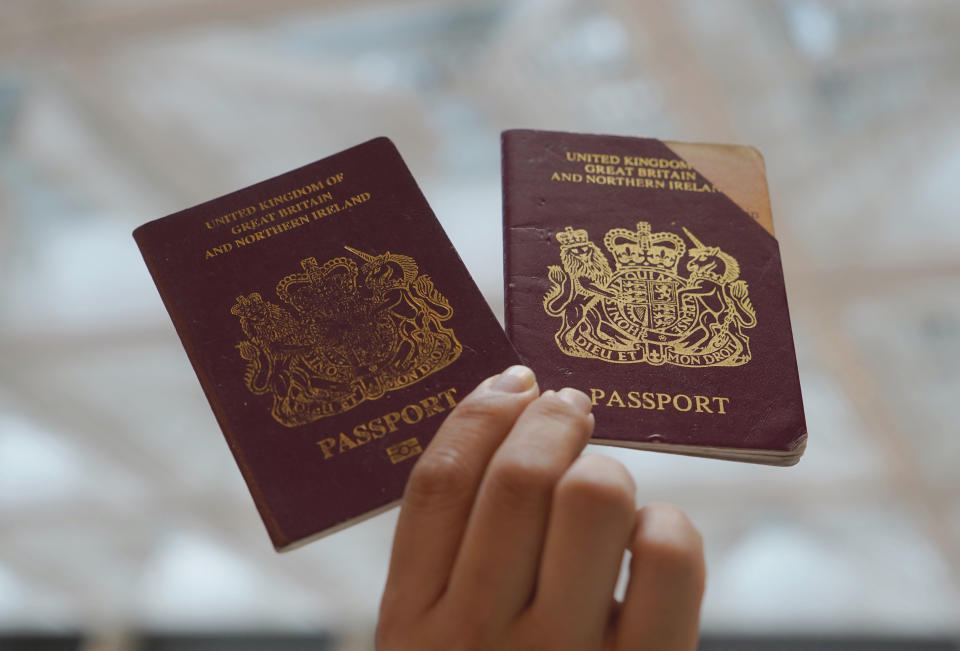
(350, 333)
(648, 310)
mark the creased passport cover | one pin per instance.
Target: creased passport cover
(332, 326)
(630, 276)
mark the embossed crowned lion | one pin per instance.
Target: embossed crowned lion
(645, 309)
(350, 333)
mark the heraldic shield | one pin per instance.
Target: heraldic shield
(645, 310)
(351, 333)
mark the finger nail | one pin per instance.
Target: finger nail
(577, 398)
(515, 379)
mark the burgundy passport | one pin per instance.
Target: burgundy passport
(332, 326)
(630, 276)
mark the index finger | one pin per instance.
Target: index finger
(443, 485)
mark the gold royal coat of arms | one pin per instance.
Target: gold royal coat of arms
(351, 333)
(646, 310)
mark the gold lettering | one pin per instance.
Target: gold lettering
(358, 198)
(223, 220)
(676, 402)
(391, 420)
(252, 224)
(615, 397)
(377, 428)
(606, 159)
(431, 406)
(326, 445)
(279, 214)
(218, 250)
(415, 418)
(448, 395)
(703, 404)
(569, 177)
(287, 197)
(720, 403)
(660, 401)
(324, 212)
(346, 443)
(609, 170)
(362, 434)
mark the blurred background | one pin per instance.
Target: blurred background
(124, 523)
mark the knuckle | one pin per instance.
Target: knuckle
(464, 631)
(562, 421)
(598, 483)
(481, 408)
(521, 480)
(440, 475)
(668, 541)
(553, 407)
(668, 555)
(422, 634)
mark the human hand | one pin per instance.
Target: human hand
(509, 539)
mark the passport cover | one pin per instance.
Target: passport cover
(332, 326)
(631, 276)
(738, 171)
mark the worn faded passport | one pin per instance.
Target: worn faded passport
(646, 273)
(332, 326)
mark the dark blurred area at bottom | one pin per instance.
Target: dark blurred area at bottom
(322, 642)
